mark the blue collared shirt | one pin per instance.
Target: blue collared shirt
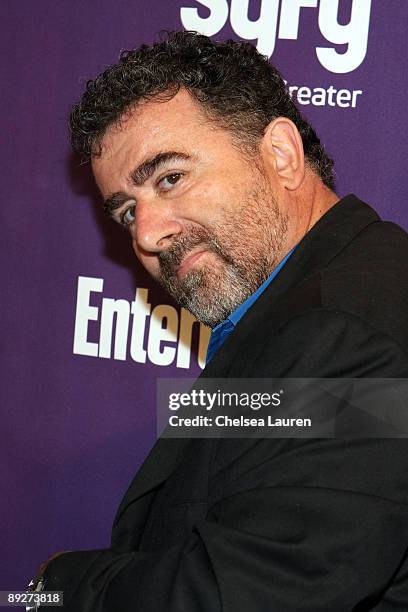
(221, 331)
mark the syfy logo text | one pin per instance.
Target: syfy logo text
(272, 24)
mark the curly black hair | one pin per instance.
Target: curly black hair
(235, 85)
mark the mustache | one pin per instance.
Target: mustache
(171, 258)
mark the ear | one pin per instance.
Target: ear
(282, 152)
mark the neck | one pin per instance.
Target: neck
(307, 207)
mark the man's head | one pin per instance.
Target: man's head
(199, 151)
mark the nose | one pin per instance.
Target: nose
(155, 226)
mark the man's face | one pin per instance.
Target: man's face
(202, 216)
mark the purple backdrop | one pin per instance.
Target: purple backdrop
(75, 426)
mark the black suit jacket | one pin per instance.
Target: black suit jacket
(277, 525)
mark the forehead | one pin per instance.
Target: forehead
(153, 126)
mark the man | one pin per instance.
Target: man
(227, 195)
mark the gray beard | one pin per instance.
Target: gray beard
(247, 249)
(209, 304)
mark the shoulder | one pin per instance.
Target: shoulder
(347, 318)
(365, 282)
(368, 280)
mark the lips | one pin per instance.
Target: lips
(189, 261)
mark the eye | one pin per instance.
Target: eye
(128, 216)
(168, 181)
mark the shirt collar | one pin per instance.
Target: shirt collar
(239, 312)
(223, 329)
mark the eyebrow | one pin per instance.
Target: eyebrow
(139, 175)
(115, 201)
(145, 170)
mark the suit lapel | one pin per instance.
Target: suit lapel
(331, 234)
